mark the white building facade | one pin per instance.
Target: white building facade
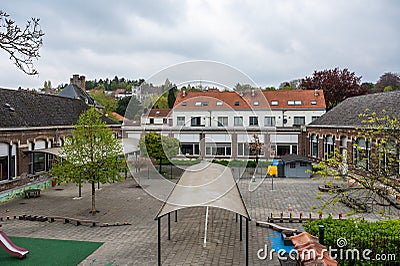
(223, 124)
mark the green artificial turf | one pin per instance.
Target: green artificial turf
(49, 252)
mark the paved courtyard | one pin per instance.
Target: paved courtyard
(136, 244)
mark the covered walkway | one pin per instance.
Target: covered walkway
(204, 185)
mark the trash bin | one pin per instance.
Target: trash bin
(272, 170)
(281, 169)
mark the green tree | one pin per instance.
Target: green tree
(172, 96)
(92, 155)
(128, 107)
(291, 85)
(159, 147)
(107, 101)
(161, 103)
(368, 87)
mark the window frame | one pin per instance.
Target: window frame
(253, 121)
(272, 120)
(180, 121)
(235, 120)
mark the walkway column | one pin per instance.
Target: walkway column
(247, 241)
(240, 226)
(159, 240)
(169, 226)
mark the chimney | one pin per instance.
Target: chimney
(316, 93)
(253, 93)
(83, 82)
(183, 93)
(79, 81)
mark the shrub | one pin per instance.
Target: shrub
(317, 169)
(186, 162)
(382, 237)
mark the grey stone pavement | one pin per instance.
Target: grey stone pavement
(136, 244)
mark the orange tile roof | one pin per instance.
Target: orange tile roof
(119, 117)
(208, 99)
(158, 112)
(305, 96)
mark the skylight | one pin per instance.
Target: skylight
(219, 103)
(197, 104)
(314, 102)
(256, 103)
(274, 103)
(297, 102)
(290, 102)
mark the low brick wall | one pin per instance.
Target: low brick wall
(15, 188)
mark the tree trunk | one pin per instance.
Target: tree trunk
(93, 198)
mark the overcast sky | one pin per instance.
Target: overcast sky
(271, 41)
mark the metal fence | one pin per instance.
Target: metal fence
(363, 248)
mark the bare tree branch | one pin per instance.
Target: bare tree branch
(21, 44)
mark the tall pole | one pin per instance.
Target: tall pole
(247, 241)
(205, 229)
(169, 226)
(240, 226)
(159, 241)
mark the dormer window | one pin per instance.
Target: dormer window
(197, 104)
(274, 103)
(237, 103)
(204, 103)
(290, 102)
(219, 103)
(256, 103)
(184, 103)
(313, 102)
(297, 103)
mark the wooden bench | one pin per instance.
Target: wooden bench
(75, 221)
(32, 193)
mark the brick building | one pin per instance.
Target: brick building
(31, 122)
(338, 128)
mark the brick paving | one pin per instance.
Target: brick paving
(136, 244)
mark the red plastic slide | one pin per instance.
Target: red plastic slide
(10, 247)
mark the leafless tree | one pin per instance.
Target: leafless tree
(21, 44)
(256, 147)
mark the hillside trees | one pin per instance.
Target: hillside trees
(388, 82)
(107, 101)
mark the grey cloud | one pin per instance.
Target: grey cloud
(271, 41)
